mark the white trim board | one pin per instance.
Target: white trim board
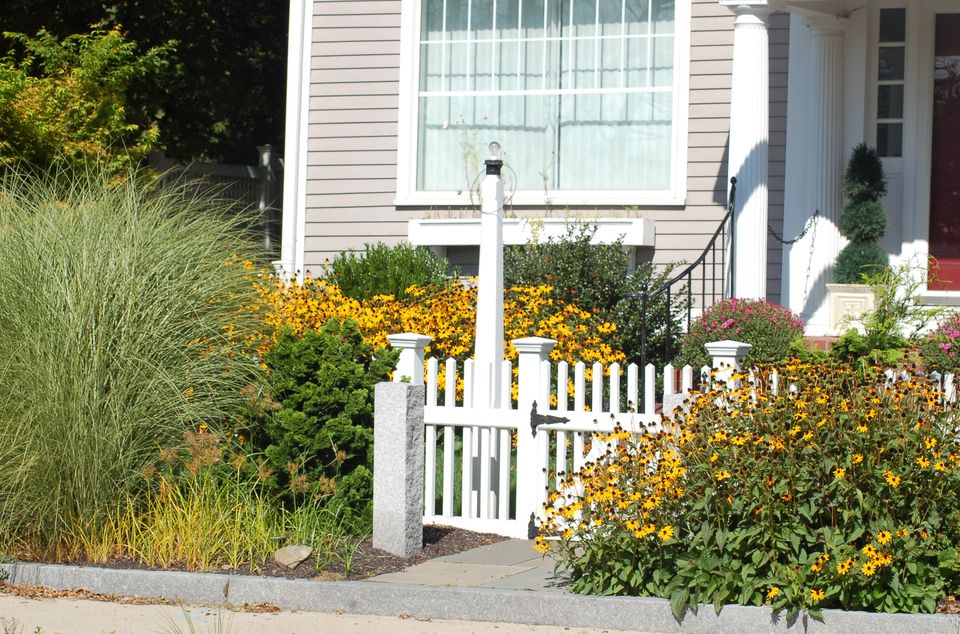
(634, 232)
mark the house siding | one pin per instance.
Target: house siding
(352, 149)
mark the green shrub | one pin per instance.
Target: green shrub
(769, 328)
(596, 278)
(863, 220)
(121, 330)
(385, 270)
(857, 260)
(318, 441)
(842, 491)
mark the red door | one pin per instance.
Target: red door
(945, 158)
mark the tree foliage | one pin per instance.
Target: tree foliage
(67, 98)
(222, 92)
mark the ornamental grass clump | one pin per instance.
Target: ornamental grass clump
(842, 489)
(768, 327)
(122, 329)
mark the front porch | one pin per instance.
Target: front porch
(880, 72)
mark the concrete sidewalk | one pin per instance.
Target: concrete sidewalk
(507, 565)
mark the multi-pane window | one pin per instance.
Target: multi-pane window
(890, 81)
(579, 93)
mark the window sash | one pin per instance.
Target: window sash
(573, 103)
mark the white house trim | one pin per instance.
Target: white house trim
(453, 232)
(296, 130)
(407, 194)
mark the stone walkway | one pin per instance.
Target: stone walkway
(507, 565)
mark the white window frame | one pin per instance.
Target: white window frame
(409, 196)
(917, 160)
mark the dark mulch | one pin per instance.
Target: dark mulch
(366, 561)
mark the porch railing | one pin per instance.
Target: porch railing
(718, 276)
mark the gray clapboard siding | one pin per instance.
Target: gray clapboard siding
(352, 149)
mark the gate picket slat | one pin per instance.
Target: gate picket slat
(633, 387)
(449, 400)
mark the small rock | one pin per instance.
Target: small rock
(289, 557)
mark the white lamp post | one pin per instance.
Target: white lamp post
(488, 350)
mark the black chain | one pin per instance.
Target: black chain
(779, 238)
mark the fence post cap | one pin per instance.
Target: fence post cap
(411, 340)
(533, 344)
(727, 347)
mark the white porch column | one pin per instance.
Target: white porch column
(811, 259)
(488, 348)
(749, 140)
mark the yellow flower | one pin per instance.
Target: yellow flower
(939, 467)
(868, 569)
(892, 479)
(665, 533)
(722, 475)
(857, 458)
(903, 532)
(930, 443)
(923, 462)
(839, 472)
(884, 536)
(816, 595)
(845, 566)
(773, 592)
(862, 428)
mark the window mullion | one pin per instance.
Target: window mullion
(468, 74)
(623, 43)
(649, 42)
(596, 45)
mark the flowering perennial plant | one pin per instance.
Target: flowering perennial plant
(840, 491)
(769, 328)
(939, 349)
(446, 313)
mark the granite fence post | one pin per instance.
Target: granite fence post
(398, 468)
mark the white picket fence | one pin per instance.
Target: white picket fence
(491, 469)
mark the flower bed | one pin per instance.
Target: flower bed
(842, 493)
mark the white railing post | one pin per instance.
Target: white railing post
(533, 352)
(727, 358)
(412, 351)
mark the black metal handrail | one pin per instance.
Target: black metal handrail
(726, 285)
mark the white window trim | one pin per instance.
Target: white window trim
(408, 196)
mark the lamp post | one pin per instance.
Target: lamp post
(488, 349)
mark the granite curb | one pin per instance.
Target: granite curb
(468, 604)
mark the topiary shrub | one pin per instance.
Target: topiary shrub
(769, 328)
(317, 437)
(863, 220)
(385, 270)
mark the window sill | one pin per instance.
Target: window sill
(538, 199)
(635, 232)
(939, 298)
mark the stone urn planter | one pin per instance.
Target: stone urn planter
(848, 305)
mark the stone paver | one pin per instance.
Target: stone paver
(444, 574)
(507, 553)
